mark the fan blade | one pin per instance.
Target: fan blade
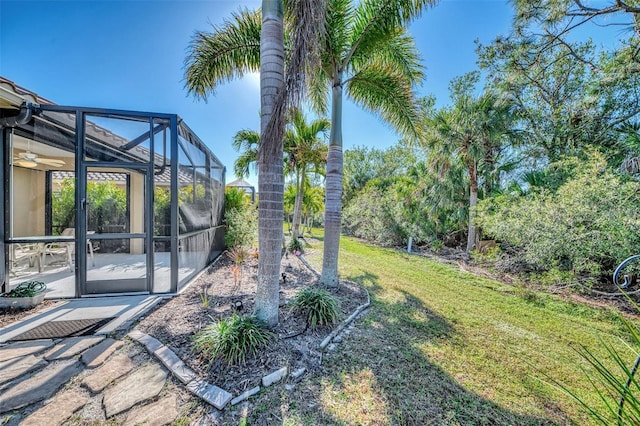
(50, 162)
(28, 155)
(23, 162)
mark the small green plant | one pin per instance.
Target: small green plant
(295, 246)
(233, 339)
(238, 255)
(436, 245)
(204, 296)
(319, 306)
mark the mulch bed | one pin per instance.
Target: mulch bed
(11, 315)
(180, 318)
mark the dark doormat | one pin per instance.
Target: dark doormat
(68, 328)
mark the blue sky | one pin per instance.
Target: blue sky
(129, 55)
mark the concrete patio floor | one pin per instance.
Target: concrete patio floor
(60, 279)
(125, 309)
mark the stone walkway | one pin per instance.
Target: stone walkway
(97, 379)
(93, 379)
(129, 381)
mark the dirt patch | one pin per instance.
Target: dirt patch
(180, 318)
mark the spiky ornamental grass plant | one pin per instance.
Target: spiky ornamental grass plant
(233, 339)
(614, 380)
(319, 306)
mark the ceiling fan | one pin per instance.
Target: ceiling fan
(30, 160)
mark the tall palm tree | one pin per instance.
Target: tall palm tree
(472, 132)
(245, 44)
(304, 150)
(368, 53)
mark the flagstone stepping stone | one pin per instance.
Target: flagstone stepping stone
(16, 367)
(110, 371)
(71, 347)
(18, 349)
(95, 356)
(159, 413)
(41, 386)
(58, 410)
(138, 386)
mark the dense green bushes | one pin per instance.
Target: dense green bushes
(588, 226)
(386, 213)
(241, 217)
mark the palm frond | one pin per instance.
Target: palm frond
(318, 91)
(337, 41)
(226, 53)
(387, 93)
(398, 52)
(243, 163)
(375, 19)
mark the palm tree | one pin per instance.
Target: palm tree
(304, 150)
(312, 204)
(368, 53)
(249, 43)
(473, 133)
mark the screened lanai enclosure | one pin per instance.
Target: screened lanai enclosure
(100, 202)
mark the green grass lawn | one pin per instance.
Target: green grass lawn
(441, 346)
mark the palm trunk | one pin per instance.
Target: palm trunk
(297, 209)
(473, 201)
(333, 203)
(270, 177)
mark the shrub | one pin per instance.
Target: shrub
(318, 305)
(233, 338)
(235, 198)
(587, 227)
(369, 216)
(295, 245)
(390, 211)
(242, 227)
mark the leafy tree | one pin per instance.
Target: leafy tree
(367, 53)
(107, 205)
(588, 226)
(553, 21)
(63, 205)
(252, 42)
(565, 104)
(362, 164)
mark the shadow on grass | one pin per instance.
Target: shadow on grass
(379, 375)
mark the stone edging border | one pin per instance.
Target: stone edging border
(214, 395)
(344, 323)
